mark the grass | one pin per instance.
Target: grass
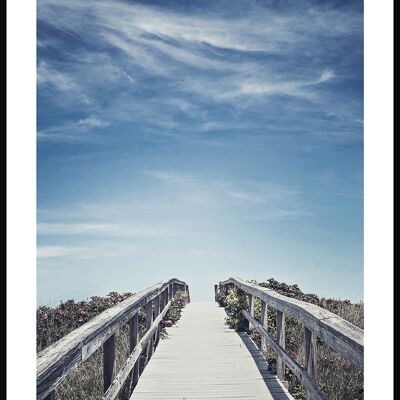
(86, 381)
(338, 378)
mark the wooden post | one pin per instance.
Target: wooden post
(187, 293)
(170, 292)
(157, 306)
(280, 337)
(162, 300)
(251, 307)
(264, 323)
(166, 296)
(133, 340)
(215, 292)
(310, 355)
(108, 362)
(149, 322)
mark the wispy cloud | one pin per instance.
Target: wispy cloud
(60, 251)
(98, 229)
(189, 55)
(278, 215)
(247, 197)
(93, 122)
(73, 131)
(62, 82)
(89, 251)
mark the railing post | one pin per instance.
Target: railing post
(170, 295)
(280, 337)
(215, 292)
(250, 298)
(133, 340)
(310, 355)
(149, 322)
(166, 296)
(108, 362)
(157, 306)
(264, 323)
(187, 293)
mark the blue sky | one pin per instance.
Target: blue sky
(200, 140)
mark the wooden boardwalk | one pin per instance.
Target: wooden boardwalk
(203, 359)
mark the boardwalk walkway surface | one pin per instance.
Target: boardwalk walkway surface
(203, 359)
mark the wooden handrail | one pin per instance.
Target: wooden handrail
(56, 361)
(339, 334)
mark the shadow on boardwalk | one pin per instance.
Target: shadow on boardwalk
(275, 387)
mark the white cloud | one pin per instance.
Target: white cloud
(91, 250)
(62, 81)
(151, 37)
(247, 196)
(93, 122)
(327, 75)
(170, 176)
(98, 229)
(73, 131)
(60, 251)
(277, 215)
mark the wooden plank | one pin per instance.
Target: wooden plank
(341, 335)
(295, 367)
(250, 301)
(264, 323)
(215, 292)
(187, 293)
(132, 361)
(310, 355)
(133, 340)
(193, 362)
(157, 306)
(170, 295)
(56, 361)
(108, 362)
(280, 338)
(149, 323)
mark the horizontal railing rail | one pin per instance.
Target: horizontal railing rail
(56, 361)
(339, 334)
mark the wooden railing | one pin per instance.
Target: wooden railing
(339, 334)
(56, 361)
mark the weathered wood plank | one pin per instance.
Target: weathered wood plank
(187, 293)
(280, 338)
(338, 333)
(149, 323)
(264, 323)
(193, 362)
(297, 369)
(56, 361)
(133, 340)
(157, 307)
(108, 362)
(132, 361)
(250, 301)
(310, 355)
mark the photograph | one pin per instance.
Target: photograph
(199, 187)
